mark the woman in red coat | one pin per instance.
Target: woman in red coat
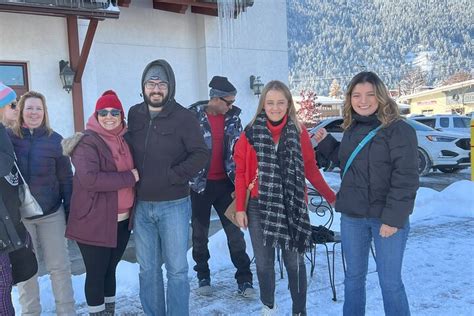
(102, 199)
(276, 151)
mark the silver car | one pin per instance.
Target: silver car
(445, 151)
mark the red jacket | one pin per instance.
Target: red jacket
(246, 166)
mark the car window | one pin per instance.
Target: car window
(335, 127)
(418, 126)
(428, 122)
(444, 122)
(461, 122)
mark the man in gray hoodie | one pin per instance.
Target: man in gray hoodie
(169, 150)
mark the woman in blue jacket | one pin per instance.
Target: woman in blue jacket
(377, 192)
(49, 175)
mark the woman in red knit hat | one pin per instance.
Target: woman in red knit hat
(275, 150)
(102, 199)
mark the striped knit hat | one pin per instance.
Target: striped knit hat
(7, 95)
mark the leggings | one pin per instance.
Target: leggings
(101, 263)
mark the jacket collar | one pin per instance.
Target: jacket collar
(200, 107)
(37, 132)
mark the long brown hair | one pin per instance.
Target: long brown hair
(278, 86)
(387, 111)
(21, 121)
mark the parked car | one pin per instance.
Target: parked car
(446, 123)
(446, 151)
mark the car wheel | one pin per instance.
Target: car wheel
(424, 163)
(449, 169)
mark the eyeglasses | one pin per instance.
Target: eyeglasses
(228, 102)
(13, 105)
(114, 113)
(150, 85)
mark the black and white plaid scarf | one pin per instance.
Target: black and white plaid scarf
(281, 183)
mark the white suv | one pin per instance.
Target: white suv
(446, 151)
(446, 123)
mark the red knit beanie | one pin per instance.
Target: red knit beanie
(109, 99)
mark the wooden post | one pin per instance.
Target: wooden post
(77, 101)
(78, 63)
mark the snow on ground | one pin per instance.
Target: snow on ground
(438, 268)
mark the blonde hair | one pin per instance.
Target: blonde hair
(387, 111)
(21, 121)
(278, 86)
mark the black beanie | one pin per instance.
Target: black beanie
(223, 85)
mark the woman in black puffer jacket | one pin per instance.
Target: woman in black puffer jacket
(12, 231)
(377, 192)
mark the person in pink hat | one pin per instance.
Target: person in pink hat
(103, 195)
(12, 232)
(9, 115)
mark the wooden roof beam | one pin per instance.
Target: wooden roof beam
(124, 3)
(171, 7)
(206, 11)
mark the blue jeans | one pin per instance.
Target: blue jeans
(161, 235)
(357, 234)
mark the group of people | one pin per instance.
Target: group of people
(166, 165)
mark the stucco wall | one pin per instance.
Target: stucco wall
(121, 49)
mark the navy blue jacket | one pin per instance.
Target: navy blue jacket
(383, 178)
(46, 170)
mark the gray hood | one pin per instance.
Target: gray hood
(171, 80)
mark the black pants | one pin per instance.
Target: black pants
(101, 263)
(217, 194)
(265, 260)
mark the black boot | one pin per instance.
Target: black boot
(110, 309)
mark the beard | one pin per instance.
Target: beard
(157, 104)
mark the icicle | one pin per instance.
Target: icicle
(231, 22)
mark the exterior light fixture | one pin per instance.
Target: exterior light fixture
(256, 85)
(66, 74)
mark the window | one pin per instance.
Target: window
(428, 122)
(14, 75)
(418, 126)
(444, 122)
(461, 122)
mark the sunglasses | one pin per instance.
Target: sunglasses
(114, 113)
(229, 103)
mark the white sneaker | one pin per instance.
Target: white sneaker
(267, 311)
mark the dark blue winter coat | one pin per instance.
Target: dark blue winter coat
(46, 170)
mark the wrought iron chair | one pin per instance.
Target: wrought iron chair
(321, 208)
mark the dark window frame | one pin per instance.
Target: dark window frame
(19, 89)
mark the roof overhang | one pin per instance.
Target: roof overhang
(57, 11)
(206, 7)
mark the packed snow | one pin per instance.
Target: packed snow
(438, 268)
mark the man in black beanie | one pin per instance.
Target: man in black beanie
(213, 186)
